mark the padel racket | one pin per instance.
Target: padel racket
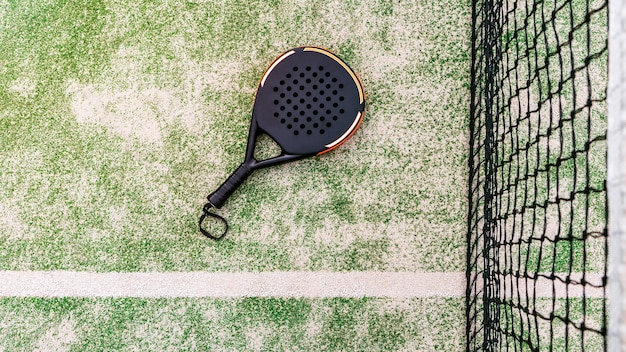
(309, 102)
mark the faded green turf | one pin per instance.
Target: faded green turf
(118, 118)
(250, 324)
(546, 334)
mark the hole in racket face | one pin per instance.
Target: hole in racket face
(308, 102)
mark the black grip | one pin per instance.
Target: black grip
(235, 180)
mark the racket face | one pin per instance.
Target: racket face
(309, 101)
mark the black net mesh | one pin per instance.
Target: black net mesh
(537, 231)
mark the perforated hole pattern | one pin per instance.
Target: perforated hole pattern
(308, 100)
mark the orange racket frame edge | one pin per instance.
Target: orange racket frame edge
(355, 77)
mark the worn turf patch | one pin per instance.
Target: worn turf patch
(117, 119)
(250, 324)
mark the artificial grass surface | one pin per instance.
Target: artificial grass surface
(250, 324)
(117, 119)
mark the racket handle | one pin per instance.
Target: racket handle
(235, 180)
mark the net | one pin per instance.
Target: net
(537, 229)
(616, 175)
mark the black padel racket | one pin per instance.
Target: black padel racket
(309, 102)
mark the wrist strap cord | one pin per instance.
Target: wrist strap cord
(206, 212)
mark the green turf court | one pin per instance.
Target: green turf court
(118, 118)
(231, 325)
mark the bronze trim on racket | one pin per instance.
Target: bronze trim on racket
(274, 64)
(343, 64)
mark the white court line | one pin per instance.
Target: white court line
(249, 284)
(236, 284)
(511, 286)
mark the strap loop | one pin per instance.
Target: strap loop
(206, 212)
